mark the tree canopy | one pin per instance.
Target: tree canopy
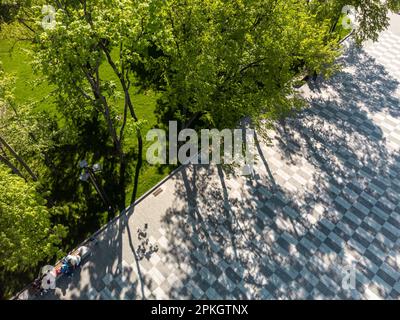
(26, 233)
(227, 60)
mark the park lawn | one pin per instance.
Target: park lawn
(16, 61)
(26, 91)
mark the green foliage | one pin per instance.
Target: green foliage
(220, 61)
(394, 5)
(372, 15)
(228, 60)
(88, 37)
(30, 133)
(26, 234)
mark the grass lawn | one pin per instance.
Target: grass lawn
(17, 63)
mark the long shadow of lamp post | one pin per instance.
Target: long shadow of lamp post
(89, 173)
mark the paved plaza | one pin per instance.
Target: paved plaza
(324, 199)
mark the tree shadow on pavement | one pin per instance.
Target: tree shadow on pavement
(324, 199)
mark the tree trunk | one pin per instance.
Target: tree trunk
(19, 159)
(138, 167)
(11, 166)
(192, 119)
(333, 27)
(95, 86)
(125, 86)
(122, 171)
(111, 128)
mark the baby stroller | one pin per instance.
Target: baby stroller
(45, 281)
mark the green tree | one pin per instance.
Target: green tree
(217, 62)
(372, 15)
(16, 21)
(87, 36)
(26, 234)
(220, 61)
(12, 135)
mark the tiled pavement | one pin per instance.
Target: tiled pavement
(325, 198)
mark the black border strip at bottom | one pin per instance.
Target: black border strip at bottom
(219, 309)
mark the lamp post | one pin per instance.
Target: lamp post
(89, 173)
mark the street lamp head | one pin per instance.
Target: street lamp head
(84, 176)
(83, 164)
(97, 167)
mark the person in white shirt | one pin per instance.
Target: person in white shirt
(73, 261)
